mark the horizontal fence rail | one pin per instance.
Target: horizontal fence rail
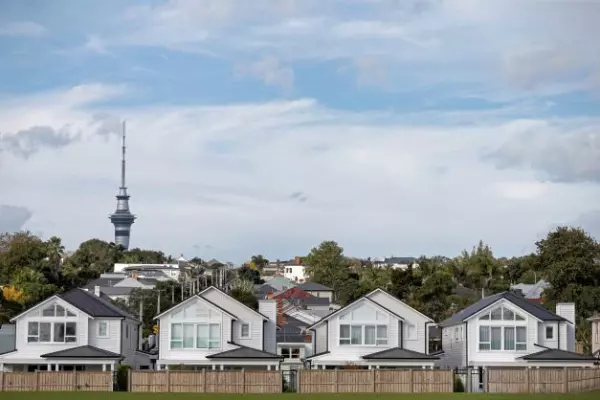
(542, 380)
(56, 381)
(206, 381)
(376, 381)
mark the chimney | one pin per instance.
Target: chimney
(268, 308)
(566, 329)
(298, 260)
(97, 290)
(134, 275)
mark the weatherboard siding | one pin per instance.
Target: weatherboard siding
(454, 345)
(243, 315)
(321, 338)
(410, 316)
(113, 341)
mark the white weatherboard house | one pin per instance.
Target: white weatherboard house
(375, 331)
(507, 330)
(75, 330)
(212, 330)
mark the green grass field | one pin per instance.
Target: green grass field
(291, 396)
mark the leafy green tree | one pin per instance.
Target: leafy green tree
(327, 265)
(243, 291)
(140, 256)
(249, 274)
(258, 262)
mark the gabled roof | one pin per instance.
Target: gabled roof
(557, 355)
(536, 310)
(93, 305)
(595, 317)
(242, 304)
(245, 352)
(314, 287)
(82, 352)
(355, 302)
(196, 297)
(396, 353)
(380, 290)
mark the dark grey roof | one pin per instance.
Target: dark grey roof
(400, 260)
(397, 353)
(116, 290)
(266, 288)
(557, 355)
(147, 281)
(7, 338)
(245, 352)
(93, 305)
(309, 301)
(519, 301)
(292, 331)
(314, 287)
(82, 352)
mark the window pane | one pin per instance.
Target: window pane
(508, 315)
(245, 330)
(32, 328)
(188, 336)
(295, 353)
(60, 311)
(176, 344)
(45, 330)
(521, 346)
(497, 314)
(59, 332)
(486, 316)
(496, 338)
(356, 334)
(509, 338)
(344, 341)
(176, 332)
(70, 314)
(381, 332)
(71, 329)
(102, 328)
(519, 318)
(484, 346)
(215, 332)
(549, 332)
(344, 331)
(48, 311)
(285, 352)
(202, 337)
(369, 334)
(484, 333)
(521, 334)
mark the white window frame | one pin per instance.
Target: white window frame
(36, 338)
(519, 346)
(380, 339)
(291, 353)
(105, 324)
(242, 336)
(410, 331)
(551, 330)
(212, 343)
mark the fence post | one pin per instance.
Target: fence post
(168, 381)
(74, 380)
(565, 380)
(374, 381)
(411, 380)
(1, 381)
(203, 380)
(527, 379)
(299, 383)
(37, 380)
(129, 379)
(244, 381)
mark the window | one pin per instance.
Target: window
(368, 334)
(47, 332)
(200, 336)
(56, 310)
(502, 338)
(501, 314)
(103, 329)
(549, 332)
(290, 352)
(245, 331)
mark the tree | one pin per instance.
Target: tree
(243, 291)
(571, 264)
(258, 262)
(249, 274)
(140, 256)
(327, 265)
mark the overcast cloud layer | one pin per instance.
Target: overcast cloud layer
(393, 127)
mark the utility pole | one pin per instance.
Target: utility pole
(141, 329)
(158, 303)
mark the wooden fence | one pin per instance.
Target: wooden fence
(56, 381)
(375, 381)
(206, 381)
(542, 380)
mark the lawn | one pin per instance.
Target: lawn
(291, 396)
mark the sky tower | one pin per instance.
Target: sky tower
(122, 218)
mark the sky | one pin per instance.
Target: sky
(394, 127)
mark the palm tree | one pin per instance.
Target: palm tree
(259, 262)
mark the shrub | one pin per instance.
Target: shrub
(122, 381)
(458, 384)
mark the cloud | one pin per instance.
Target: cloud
(22, 28)
(590, 222)
(27, 142)
(106, 124)
(270, 71)
(558, 155)
(376, 170)
(13, 218)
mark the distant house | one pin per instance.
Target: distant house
(507, 330)
(394, 262)
(302, 299)
(294, 342)
(74, 330)
(279, 283)
(317, 290)
(532, 292)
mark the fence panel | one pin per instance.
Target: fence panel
(376, 381)
(206, 381)
(51, 381)
(542, 380)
